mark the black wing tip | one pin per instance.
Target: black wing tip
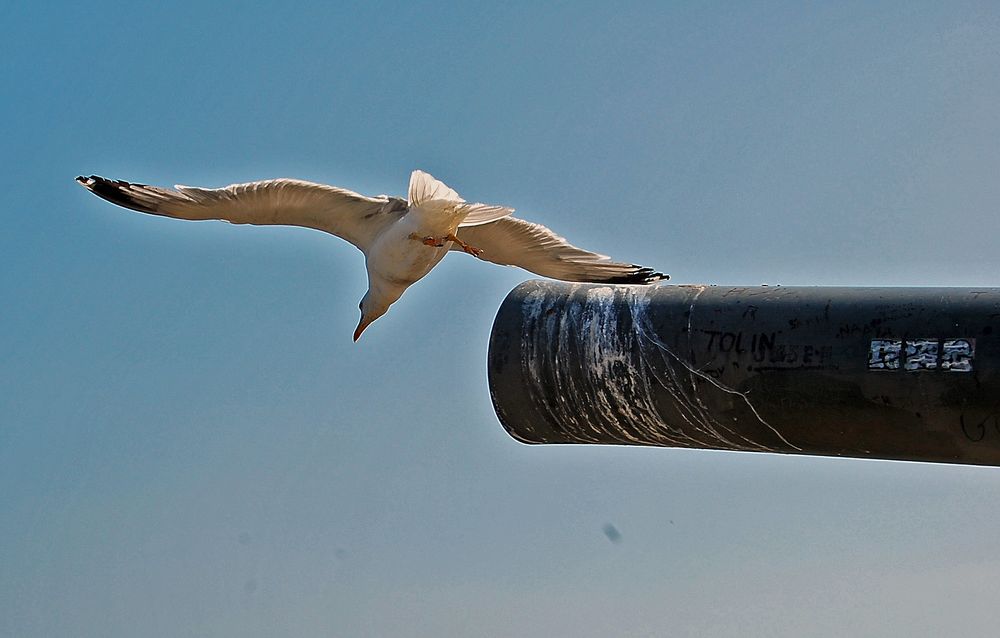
(641, 275)
(113, 190)
(96, 181)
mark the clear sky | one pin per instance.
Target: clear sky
(191, 445)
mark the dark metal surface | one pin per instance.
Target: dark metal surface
(888, 373)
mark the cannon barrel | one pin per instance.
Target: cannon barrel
(886, 373)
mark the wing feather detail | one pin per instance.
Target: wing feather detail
(288, 202)
(515, 242)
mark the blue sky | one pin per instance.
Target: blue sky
(190, 443)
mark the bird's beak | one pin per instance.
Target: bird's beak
(364, 323)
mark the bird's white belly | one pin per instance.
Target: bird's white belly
(399, 258)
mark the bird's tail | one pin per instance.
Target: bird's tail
(425, 188)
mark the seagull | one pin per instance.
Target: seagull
(402, 239)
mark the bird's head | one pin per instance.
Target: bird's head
(373, 305)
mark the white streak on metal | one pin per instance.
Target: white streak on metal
(651, 336)
(615, 382)
(694, 412)
(618, 385)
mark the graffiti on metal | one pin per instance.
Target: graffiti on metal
(763, 350)
(951, 355)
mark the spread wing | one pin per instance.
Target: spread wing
(290, 202)
(514, 242)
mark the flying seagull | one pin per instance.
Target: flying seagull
(402, 239)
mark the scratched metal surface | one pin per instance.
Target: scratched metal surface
(891, 373)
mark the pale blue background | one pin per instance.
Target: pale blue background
(190, 444)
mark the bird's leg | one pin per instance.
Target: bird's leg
(433, 242)
(439, 242)
(475, 252)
